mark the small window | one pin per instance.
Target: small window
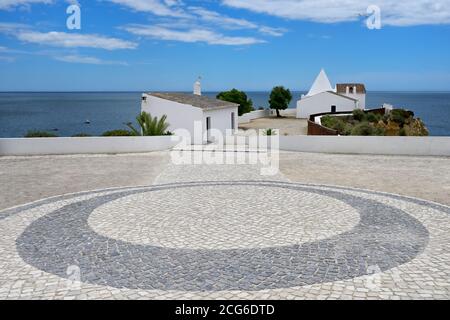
(333, 109)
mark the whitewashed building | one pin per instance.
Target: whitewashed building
(322, 97)
(193, 115)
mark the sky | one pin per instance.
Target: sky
(252, 45)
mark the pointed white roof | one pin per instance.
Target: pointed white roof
(321, 84)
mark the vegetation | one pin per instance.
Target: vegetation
(40, 134)
(398, 122)
(150, 126)
(239, 97)
(280, 99)
(270, 132)
(81, 135)
(118, 133)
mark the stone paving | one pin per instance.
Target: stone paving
(225, 232)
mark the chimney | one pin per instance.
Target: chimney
(347, 90)
(198, 87)
(354, 90)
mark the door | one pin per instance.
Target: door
(333, 109)
(208, 129)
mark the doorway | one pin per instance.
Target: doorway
(333, 109)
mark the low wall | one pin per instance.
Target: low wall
(315, 129)
(418, 146)
(84, 145)
(247, 117)
(285, 113)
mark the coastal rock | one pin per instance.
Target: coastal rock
(416, 127)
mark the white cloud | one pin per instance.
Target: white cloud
(167, 8)
(215, 17)
(10, 4)
(195, 16)
(191, 35)
(233, 23)
(74, 40)
(395, 13)
(276, 32)
(87, 60)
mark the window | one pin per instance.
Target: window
(233, 126)
(333, 109)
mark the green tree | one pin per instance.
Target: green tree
(239, 97)
(150, 126)
(280, 99)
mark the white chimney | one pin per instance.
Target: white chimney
(198, 87)
(347, 90)
(354, 90)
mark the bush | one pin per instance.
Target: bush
(270, 132)
(81, 135)
(358, 115)
(337, 124)
(362, 129)
(118, 133)
(328, 121)
(372, 117)
(40, 134)
(400, 116)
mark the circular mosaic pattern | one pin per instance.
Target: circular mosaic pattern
(223, 217)
(385, 236)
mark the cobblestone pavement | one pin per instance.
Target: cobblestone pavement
(225, 232)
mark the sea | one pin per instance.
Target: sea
(71, 113)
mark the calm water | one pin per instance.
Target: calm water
(67, 112)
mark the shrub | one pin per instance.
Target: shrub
(358, 115)
(81, 135)
(362, 129)
(118, 133)
(328, 121)
(372, 117)
(40, 134)
(336, 123)
(270, 132)
(400, 116)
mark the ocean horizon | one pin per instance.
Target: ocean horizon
(65, 112)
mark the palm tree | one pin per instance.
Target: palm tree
(150, 126)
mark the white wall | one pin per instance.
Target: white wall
(284, 113)
(247, 117)
(322, 102)
(419, 146)
(179, 116)
(87, 145)
(221, 119)
(360, 97)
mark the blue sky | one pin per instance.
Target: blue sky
(138, 45)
